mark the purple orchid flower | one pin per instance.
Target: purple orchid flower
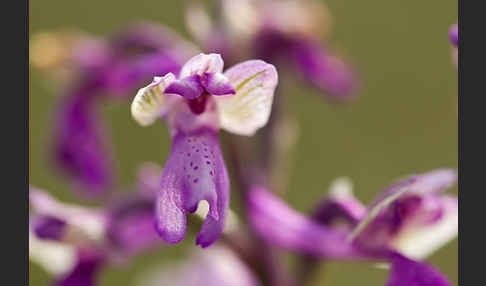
(409, 220)
(195, 106)
(106, 69)
(216, 266)
(281, 32)
(74, 243)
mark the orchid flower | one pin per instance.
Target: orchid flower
(216, 266)
(106, 70)
(74, 243)
(412, 216)
(408, 221)
(194, 106)
(282, 32)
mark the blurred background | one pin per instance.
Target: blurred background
(404, 120)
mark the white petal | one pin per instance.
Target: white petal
(249, 109)
(420, 242)
(202, 63)
(150, 101)
(56, 258)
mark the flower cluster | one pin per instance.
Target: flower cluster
(196, 97)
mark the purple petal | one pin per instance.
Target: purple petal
(188, 87)
(49, 227)
(279, 225)
(217, 84)
(324, 70)
(393, 192)
(195, 171)
(435, 181)
(454, 35)
(431, 182)
(406, 272)
(80, 147)
(339, 210)
(85, 272)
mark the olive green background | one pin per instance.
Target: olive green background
(405, 120)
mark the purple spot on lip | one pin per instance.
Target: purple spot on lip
(208, 162)
(195, 168)
(196, 180)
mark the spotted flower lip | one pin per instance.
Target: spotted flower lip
(194, 106)
(194, 171)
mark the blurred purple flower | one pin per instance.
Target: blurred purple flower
(104, 69)
(409, 218)
(194, 107)
(75, 243)
(80, 145)
(285, 33)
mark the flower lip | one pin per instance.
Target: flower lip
(194, 172)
